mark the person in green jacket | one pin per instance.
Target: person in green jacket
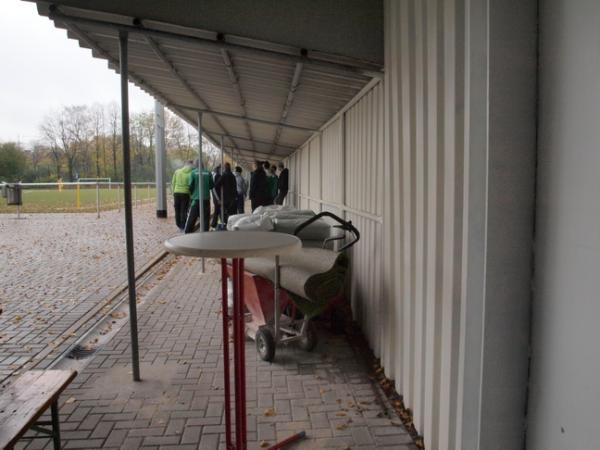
(180, 186)
(271, 171)
(194, 186)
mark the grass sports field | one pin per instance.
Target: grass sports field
(51, 200)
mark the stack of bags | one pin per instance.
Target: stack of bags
(283, 219)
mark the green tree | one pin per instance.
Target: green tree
(13, 162)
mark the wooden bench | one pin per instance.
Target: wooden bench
(22, 404)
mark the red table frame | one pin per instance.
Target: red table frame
(239, 359)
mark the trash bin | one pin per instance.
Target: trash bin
(14, 194)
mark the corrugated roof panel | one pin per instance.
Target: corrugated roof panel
(194, 74)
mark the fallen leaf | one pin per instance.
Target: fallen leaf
(269, 412)
(341, 426)
(264, 444)
(70, 400)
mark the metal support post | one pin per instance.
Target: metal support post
(118, 197)
(97, 200)
(276, 304)
(201, 184)
(78, 196)
(221, 193)
(135, 359)
(160, 161)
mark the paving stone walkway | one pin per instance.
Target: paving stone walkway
(55, 269)
(179, 403)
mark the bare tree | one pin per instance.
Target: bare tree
(174, 133)
(38, 153)
(113, 119)
(97, 123)
(55, 134)
(80, 140)
(77, 124)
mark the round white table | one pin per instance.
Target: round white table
(235, 245)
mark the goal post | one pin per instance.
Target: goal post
(106, 180)
(94, 180)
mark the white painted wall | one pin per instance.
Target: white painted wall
(564, 392)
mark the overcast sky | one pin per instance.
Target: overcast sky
(42, 70)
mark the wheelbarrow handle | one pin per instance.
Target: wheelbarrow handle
(345, 225)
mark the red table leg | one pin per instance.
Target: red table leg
(238, 354)
(239, 357)
(225, 313)
(242, 343)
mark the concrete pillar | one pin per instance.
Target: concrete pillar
(160, 160)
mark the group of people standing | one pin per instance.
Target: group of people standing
(227, 189)
(266, 187)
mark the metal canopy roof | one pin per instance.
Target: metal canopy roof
(265, 99)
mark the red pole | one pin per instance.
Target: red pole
(242, 333)
(239, 439)
(225, 314)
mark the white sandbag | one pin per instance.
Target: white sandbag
(271, 208)
(318, 230)
(289, 214)
(233, 220)
(253, 222)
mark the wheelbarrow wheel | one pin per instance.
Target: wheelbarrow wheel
(309, 341)
(265, 344)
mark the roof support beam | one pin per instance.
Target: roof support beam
(234, 78)
(288, 101)
(83, 37)
(236, 43)
(256, 141)
(161, 55)
(262, 154)
(252, 153)
(250, 119)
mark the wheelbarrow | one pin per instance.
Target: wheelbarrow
(283, 295)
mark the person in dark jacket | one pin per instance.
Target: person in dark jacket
(226, 187)
(259, 187)
(282, 184)
(216, 198)
(242, 189)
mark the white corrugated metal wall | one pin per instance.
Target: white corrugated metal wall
(340, 170)
(425, 95)
(406, 286)
(412, 163)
